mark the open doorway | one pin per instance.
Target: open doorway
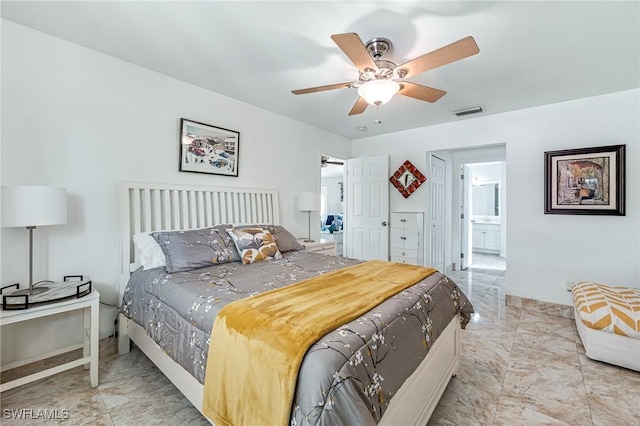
(483, 230)
(457, 222)
(332, 210)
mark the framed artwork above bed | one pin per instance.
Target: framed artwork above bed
(208, 149)
(586, 181)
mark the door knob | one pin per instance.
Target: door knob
(384, 223)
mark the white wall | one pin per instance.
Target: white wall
(545, 251)
(485, 172)
(76, 118)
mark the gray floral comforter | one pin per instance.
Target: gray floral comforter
(348, 376)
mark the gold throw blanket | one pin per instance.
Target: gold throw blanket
(257, 344)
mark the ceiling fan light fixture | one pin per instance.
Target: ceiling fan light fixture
(378, 92)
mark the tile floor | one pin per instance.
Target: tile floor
(518, 368)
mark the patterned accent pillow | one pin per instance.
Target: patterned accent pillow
(188, 250)
(284, 239)
(254, 244)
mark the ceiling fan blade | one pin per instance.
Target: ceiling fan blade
(359, 107)
(455, 51)
(355, 50)
(321, 88)
(423, 93)
(337, 163)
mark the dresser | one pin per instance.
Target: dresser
(406, 243)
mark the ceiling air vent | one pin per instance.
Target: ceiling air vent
(468, 111)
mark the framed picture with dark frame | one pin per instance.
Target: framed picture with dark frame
(208, 149)
(589, 181)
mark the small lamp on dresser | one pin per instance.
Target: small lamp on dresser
(309, 202)
(29, 207)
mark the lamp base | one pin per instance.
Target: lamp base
(30, 291)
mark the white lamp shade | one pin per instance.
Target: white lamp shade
(24, 206)
(378, 91)
(308, 202)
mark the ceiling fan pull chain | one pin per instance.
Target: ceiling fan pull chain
(376, 119)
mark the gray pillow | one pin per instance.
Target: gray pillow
(284, 240)
(187, 250)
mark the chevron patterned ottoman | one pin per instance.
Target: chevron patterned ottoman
(608, 321)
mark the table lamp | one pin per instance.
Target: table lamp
(29, 207)
(309, 202)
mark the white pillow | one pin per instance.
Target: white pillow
(148, 252)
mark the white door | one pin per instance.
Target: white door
(436, 209)
(367, 199)
(466, 252)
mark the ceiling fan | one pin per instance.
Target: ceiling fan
(325, 160)
(381, 79)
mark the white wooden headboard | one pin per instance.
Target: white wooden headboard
(147, 207)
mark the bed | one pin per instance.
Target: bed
(374, 374)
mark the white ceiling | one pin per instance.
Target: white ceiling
(531, 53)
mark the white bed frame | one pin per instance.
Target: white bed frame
(146, 207)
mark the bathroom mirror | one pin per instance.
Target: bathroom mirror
(486, 199)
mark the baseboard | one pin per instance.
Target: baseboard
(534, 305)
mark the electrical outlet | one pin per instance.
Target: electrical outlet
(569, 285)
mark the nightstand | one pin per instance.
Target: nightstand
(335, 236)
(90, 306)
(322, 246)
